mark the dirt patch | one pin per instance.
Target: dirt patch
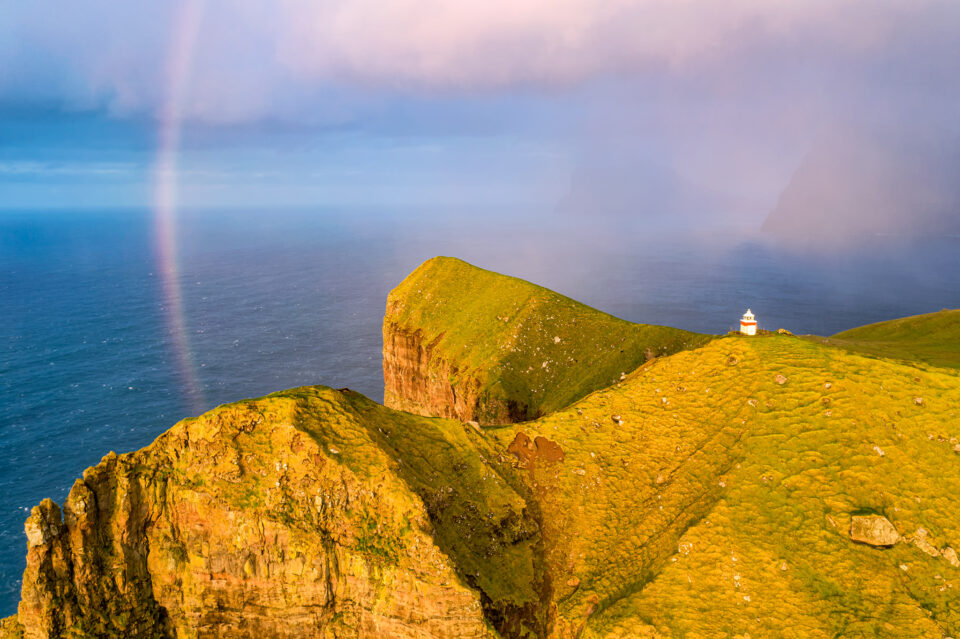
(540, 448)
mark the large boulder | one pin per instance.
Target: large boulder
(874, 530)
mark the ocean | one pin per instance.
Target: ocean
(96, 356)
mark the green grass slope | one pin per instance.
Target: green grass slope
(933, 338)
(517, 350)
(711, 494)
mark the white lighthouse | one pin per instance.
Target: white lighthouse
(748, 323)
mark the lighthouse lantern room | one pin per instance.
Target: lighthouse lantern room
(748, 323)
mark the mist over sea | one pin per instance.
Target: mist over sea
(90, 362)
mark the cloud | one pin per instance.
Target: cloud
(303, 59)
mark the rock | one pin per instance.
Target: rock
(920, 540)
(918, 401)
(783, 331)
(780, 379)
(950, 555)
(10, 628)
(43, 525)
(573, 582)
(873, 530)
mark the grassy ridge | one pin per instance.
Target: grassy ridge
(520, 342)
(933, 339)
(721, 503)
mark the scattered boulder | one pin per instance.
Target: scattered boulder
(780, 379)
(918, 401)
(951, 555)
(873, 530)
(920, 540)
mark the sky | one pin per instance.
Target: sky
(695, 110)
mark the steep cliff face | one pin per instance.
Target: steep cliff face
(419, 379)
(463, 342)
(290, 516)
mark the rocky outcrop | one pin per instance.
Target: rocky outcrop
(10, 628)
(874, 530)
(251, 522)
(419, 379)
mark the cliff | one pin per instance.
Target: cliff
(463, 342)
(768, 486)
(308, 513)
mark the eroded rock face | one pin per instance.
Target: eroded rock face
(874, 530)
(417, 379)
(10, 628)
(241, 523)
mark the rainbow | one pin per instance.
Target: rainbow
(165, 194)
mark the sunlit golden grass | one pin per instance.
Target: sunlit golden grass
(520, 342)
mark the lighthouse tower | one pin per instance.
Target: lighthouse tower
(748, 323)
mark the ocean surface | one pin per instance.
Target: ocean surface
(94, 356)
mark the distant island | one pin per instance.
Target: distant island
(540, 469)
(857, 185)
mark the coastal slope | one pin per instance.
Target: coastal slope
(933, 338)
(761, 486)
(460, 341)
(718, 492)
